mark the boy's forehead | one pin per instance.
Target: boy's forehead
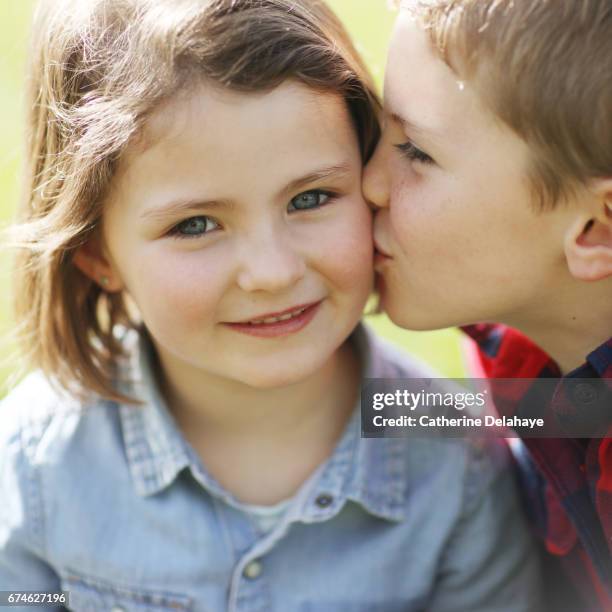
(422, 89)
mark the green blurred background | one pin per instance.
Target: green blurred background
(369, 21)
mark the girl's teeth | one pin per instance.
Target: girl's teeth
(278, 319)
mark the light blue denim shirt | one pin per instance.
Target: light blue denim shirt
(110, 503)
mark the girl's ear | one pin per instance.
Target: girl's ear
(91, 260)
(588, 243)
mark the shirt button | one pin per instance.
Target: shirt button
(117, 609)
(253, 570)
(585, 393)
(324, 500)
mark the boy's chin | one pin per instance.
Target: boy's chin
(414, 319)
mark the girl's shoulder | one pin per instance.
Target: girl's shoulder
(37, 408)
(38, 420)
(56, 454)
(36, 397)
(383, 359)
(473, 464)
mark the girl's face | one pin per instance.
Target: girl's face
(239, 229)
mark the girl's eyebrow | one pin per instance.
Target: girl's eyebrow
(178, 207)
(181, 206)
(335, 171)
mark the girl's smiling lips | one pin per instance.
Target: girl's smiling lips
(275, 324)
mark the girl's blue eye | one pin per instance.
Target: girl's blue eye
(194, 227)
(413, 153)
(309, 200)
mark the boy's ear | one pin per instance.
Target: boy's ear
(588, 242)
(91, 260)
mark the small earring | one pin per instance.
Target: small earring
(104, 280)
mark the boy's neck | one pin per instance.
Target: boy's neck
(574, 323)
(261, 445)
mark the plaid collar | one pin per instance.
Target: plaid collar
(577, 485)
(506, 353)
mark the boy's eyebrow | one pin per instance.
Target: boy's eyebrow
(334, 171)
(178, 207)
(410, 126)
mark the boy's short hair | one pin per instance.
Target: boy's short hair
(544, 67)
(98, 69)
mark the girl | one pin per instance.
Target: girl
(196, 256)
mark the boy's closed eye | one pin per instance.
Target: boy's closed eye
(402, 125)
(409, 150)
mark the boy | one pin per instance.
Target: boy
(493, 184)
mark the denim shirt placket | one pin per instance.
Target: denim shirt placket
(321, 498)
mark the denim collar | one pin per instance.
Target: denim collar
(369, 472)
(155, 449)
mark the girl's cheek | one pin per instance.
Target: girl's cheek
(346, 248)
(354, 231)
(182, 287)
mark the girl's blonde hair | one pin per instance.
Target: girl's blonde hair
(98, 69)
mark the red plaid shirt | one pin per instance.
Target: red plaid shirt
(568, 482)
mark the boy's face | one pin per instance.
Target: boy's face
(242, 207)
(456, 220)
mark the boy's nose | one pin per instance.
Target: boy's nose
(375, 180)
(270, 264)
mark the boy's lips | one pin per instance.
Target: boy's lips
(380, 249)
(381, 255)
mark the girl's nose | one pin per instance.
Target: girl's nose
(375, 180)
(270, 264)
